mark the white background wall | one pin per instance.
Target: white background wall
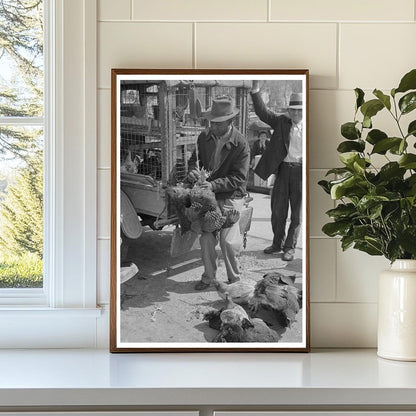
(344, 43)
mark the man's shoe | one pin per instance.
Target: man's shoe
(271, 249)
(201, 285)
(288, 255)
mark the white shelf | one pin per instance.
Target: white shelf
(39, 378)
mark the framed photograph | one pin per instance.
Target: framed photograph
(209, 212)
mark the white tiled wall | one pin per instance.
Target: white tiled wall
(345, 44)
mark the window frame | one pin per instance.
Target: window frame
(28, 317)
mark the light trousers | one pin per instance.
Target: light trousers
(230, 241)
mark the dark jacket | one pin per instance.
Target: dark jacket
(278, 147)
(229, 180)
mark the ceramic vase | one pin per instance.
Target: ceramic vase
(397, 312)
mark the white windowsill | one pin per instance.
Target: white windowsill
(36, 312)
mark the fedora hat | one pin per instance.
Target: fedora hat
(222, 109)
(295, 101)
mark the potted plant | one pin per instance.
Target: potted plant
(376, 206)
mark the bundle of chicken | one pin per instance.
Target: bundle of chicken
(204, 207)
(233, 313)
(259, 332)
(233, 325)
(197, 208)
(239, 292)
(230, 321)
(179, 200)
(279, 293)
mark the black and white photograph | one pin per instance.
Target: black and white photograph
(209, 215)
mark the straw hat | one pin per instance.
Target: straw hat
(295, 101)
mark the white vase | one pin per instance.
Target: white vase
(397, 312)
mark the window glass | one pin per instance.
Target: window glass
(21, 143)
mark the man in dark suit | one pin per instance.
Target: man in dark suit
(223, 151)
(260, 145)
(283, 158)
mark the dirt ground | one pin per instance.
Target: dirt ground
(160, 303)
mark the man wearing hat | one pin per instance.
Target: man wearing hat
(223, 151)
(283, 157)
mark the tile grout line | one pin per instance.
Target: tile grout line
(306, 22)
(269, 10)
(194, 62)
(336, 271)
(349, 302)
(131, 9)
(338, 63)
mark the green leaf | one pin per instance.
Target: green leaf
(359, 95)
(385, 144)
(337, 171)
(369, 201)
(391, 170)
(349, 131)
(371, 108)
(338, 189)
(375, 212)
(375, 135)
(385, 99)
(411, 182)
(361, 231)
(411, 179)
(408, 161)
(367, 122)
(359, 166)
(393, 250)
(411, 130)
(398, 149)
(340, 180)
(342, 211)
(408, 102)
(374, 242)
(349, 146)
(325, 186)
(350, 186)
(336, 228)
(348, 158)
(407, 240)
(368, 248)
(346, 242)
(408, 82)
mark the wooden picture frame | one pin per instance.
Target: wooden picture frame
(159, 301)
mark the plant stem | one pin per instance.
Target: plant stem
(397, 118)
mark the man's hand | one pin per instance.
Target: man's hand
(206, 185)
(255, 87)
(193, 176)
